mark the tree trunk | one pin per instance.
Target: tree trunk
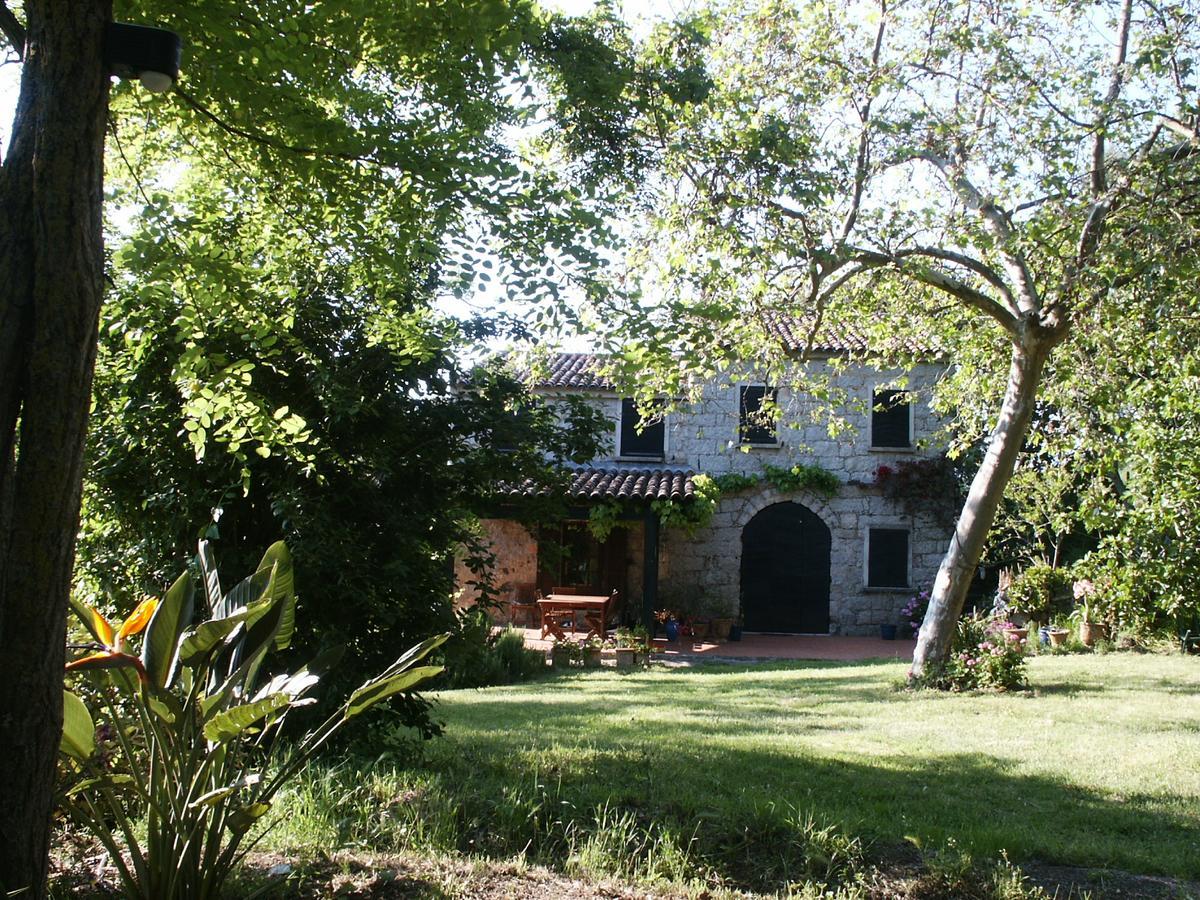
(51, 271)
(979, 511)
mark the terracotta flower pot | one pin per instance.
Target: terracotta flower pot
(1058, 636)
(625, 657)
(591, 658)
(1090, 632)
(1016, 634)
(720, 629)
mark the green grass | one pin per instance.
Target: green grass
(764, 775)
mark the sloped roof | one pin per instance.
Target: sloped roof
(839, 337)
(580, 371)
(575, 370)
(590, 483)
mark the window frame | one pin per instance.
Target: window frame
(767, 390)
(910, 407)
(622, 454)
(904, 527)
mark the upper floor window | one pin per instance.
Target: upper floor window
(755, 421)
(887, 557)
(641, 439)
(891, 419)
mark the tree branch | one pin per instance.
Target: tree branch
(1099, 178)
(266, 140)
(864, 143)
(13, 29)
(997, 225)
(865, 260)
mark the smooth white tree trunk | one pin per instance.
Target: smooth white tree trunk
(979, 511)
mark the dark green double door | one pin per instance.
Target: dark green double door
(785, 571)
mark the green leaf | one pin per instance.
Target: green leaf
(212, 581)
(200, 640)
(79, 732)
(241, 820)
(414, 654)
(161, 642)
(215, 796)
(225, 726)
(374, 691)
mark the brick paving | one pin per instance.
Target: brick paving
(768, 647)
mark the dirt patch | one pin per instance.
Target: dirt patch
(86, 873)
(359, 877)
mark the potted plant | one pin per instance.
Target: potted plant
(887, 632)
(592, 649)
(1037, 593)
(1087, 613)
(1056, 633)
(641, 645)
(735, 630)
(626, 652)
(560, 654)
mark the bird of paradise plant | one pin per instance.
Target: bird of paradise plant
(201, 757)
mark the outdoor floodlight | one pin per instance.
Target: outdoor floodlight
(150, 55)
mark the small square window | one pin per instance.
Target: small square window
(891, 419)
(887, 558)
(650, 442)
(756, 423)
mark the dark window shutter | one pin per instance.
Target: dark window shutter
(649, 443)
(890, 419)
(887, 558)
(754, 427)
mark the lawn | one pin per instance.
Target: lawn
(769, 772)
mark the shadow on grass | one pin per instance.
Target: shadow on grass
(698, 757)
(740, 807)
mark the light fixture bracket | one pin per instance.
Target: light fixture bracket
(140, 51)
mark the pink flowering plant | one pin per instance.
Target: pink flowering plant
(914, 610)
(983, 657)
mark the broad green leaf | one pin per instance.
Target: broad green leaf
(160, 709)
(161, 641)
(219, 794)
(106, 780)
(79, 732)
(241, 820)
(229, 724)
(212, 580)
(201, 639)
(415, 654)
(372, 692)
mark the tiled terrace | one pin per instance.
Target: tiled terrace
(753, 647)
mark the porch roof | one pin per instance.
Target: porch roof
(589, 483)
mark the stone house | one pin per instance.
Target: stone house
(789, 560)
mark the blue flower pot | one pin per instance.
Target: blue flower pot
(887, 632)
(735, 632)
(672, 630)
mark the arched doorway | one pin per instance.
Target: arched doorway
(785, 571)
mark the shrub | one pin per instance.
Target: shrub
(198, 734)
(982, 657)
(1040, 592)
(477, 658)
(914, 610)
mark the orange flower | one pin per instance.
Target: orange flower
(113, 656)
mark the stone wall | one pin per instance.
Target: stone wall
(704, 437)
(515, 550)
(709, 563)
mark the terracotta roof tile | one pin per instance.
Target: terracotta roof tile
(840, 337)
(575, 370)
(622, 484)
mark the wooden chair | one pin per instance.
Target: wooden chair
(523, 604)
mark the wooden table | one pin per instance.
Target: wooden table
(594, 608)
